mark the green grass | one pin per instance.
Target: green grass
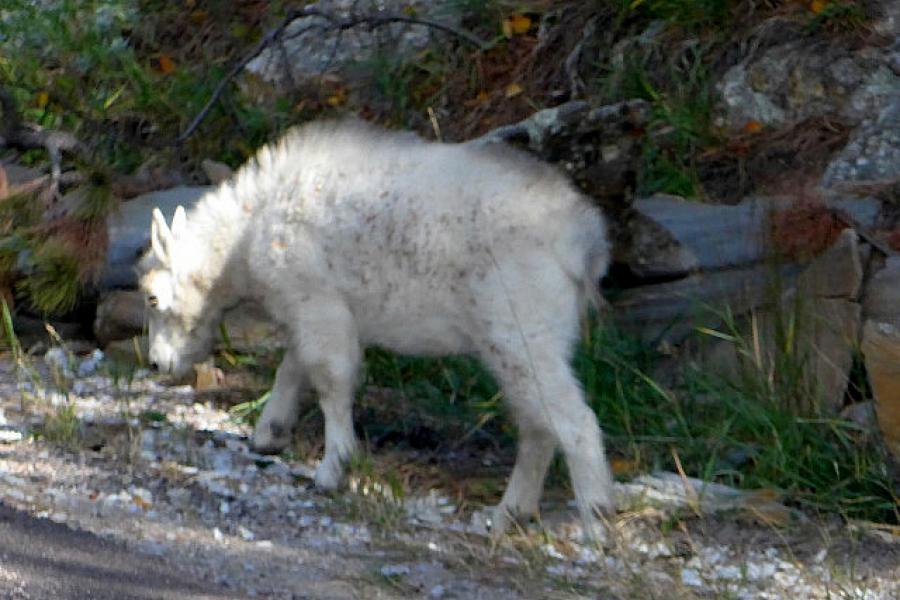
(725, 431)
(741, 432)
(693, 15)
(89, 67)
(93, 68)
(54, 286)
(62, 427)
(678, 85)
(733, 432)
(838, 17)
(456, 395)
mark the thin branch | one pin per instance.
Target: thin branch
(376, 21)
(27, 136)
(267, 39)
(338, 23)
(576, 83)
(19, 134)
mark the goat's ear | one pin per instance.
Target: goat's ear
(179, 222)
(160, 236)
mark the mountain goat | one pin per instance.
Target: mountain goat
(351, 236)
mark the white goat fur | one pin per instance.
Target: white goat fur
(351, 236)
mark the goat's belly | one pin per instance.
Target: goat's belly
(416, 333)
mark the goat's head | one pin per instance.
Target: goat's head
(181, 324)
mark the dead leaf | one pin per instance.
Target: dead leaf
(817, 6)
(883, 531)
(516, 25)
(513, 90)
(482, 97)
(764, 495)
(4, 183)
(623, 466)
(41, 99)
(753, 127)
(198, 17)
(209, 377)
(140, 502)
(166, 64)
(771, 514)
(337, 98)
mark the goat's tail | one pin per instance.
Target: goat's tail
(585, 255)
(594, 271)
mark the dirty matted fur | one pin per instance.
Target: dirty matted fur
(352, 236)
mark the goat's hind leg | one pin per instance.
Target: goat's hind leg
(331, 355)
(523, 492)
(542, 391)
(578, 433)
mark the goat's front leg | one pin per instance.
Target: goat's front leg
(330, 353)
(291, 390)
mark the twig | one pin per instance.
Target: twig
(17, 133)
(335, 22)
(435, 125)
(690, 492)
(576, 83)
(376, 21)
(267, 39)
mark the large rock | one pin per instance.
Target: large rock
(824, 336)
(649, 250)
(121, 316)
(312, 47)
(872, 155)
(729, 235)
(669, 312)
(837, 272)
(820, 306)
(730, 250)
(881, 348)
(832, 340)
(129, 231)
(16, 174)
(803, 79)
(882, 296)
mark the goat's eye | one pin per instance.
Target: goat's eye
(153, 301)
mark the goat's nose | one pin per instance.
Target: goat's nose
(154, 366)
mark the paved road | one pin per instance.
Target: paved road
(42, 560)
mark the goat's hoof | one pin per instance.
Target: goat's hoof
(260, 445)
(328, 479)
(267, 450)
(506, 519)
(271, 438)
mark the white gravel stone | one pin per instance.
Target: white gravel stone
(691, 577)
(394, 570)
(10, 437)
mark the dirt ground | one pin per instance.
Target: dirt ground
(165, 473)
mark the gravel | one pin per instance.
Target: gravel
(188, 489)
